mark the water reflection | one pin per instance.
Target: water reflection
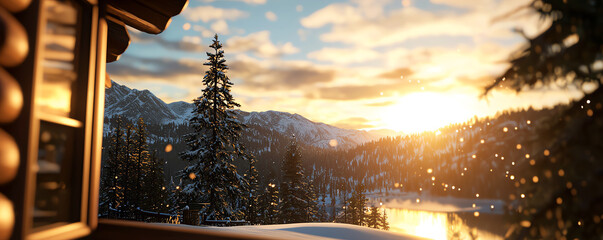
(442, 225)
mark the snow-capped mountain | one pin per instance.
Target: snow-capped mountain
(132, 104)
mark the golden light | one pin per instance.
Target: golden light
(547, 152)
(432, 178)
(430, 225)
(476, 214)
(429, 170)
(518, 146)
(427, 111)
(462, 139)
(529, 122)
(333, 143)
(168, 147)
(473, 156)
(477, 195)
(192, 176)
(535, 179)
(482, 141)
(505, 129)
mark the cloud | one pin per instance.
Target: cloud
(397, 73)
(254, 2)
(469, 4)
(186, 44)
(380, 104)
(344, 55)
(284, 75)
(220, 26)
(259, 44)
(372, 27)
(361, 92)
(348, 14)
(143, 68)
(250, 2)
(353, 123)
(209, 13)
(337, 13)
(271, 16)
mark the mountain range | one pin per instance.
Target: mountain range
(132, 104)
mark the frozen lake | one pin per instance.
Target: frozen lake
(442, 217)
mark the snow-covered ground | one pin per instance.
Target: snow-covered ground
(319, 231)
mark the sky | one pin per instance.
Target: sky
(409, 65)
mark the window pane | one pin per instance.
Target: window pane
(59, 73)
(58, 181)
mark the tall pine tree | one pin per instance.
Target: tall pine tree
(211, 176)
(111, 193)
(293, 192)
(373, 218)
(383, 221)
(252, 200)
(357, 206)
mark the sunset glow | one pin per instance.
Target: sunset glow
(418, 112)
(322, 59)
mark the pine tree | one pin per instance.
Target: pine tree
(374, 218)
(323, 216)
(129, 179)
(252, 201)
(293, 189)
(111, 194)
(269, 205)
(357, 206)
(140, 161)
(383, 221)
(154, 188)
(311, 207)
(213, 146)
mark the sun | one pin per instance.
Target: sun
(428, 111)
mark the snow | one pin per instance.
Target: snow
(322, 231)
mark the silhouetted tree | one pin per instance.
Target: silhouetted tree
(213, 146)
(563, 190)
